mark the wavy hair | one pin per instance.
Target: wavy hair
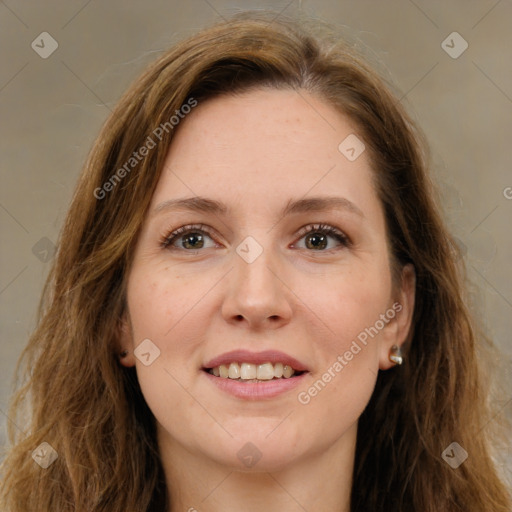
(75, 395)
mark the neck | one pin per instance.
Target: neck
(319, 481)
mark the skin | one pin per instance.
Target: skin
(255, 152)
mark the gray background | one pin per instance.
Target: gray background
(51, 110)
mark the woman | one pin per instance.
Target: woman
(255, 304)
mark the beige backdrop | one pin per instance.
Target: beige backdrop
(65, 64)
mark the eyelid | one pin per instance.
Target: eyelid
(169, 238)
(319, 226)
(328, 229)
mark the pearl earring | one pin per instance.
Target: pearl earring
(395, 355)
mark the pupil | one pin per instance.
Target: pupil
(193, 236)
(317, 239)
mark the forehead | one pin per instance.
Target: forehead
(263, 147)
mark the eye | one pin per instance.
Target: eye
(191, 237)
(316, 237)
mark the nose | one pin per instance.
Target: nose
(257, 293)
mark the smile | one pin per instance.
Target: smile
(248, 372)
(255, 375)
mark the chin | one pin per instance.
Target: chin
(258, 461)
(255, 453)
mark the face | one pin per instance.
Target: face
(262, 267)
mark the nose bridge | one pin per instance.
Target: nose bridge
(256, 290)
(253, 263)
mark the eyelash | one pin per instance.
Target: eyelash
(325, 229)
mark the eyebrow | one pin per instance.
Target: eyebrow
(310, 204)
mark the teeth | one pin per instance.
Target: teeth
(234, 371)
(278, 370)
(252, 372)
(265, 372)
(247, 371)
(287, 371)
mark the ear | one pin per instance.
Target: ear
(125, 342)
(399, 330)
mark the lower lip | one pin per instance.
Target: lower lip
(255, 390)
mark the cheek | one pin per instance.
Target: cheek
(350, 303)
(347, 354)
(349, 316)
(169, 310)
(160, 300)
(164, 308)
(333, 402)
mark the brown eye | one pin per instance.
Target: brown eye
(316, 241)
(192, 241)
(317, 237)
(187, 238)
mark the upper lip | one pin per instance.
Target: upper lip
(267, 356)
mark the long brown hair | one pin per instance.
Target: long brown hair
(91, 411)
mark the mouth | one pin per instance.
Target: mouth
(252, 373)
(246, 366)
(255, 376)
